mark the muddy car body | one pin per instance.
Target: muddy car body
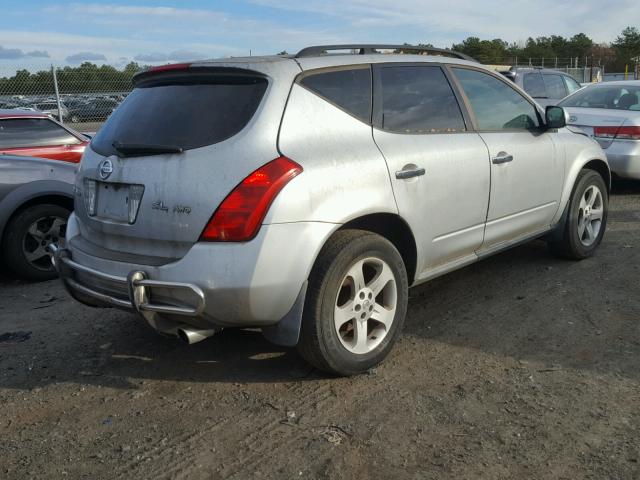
(304, 195)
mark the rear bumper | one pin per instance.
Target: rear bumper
(136, 285)
(624, 158)
(252, 284)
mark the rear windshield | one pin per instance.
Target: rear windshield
(185, 110)
(613, 97)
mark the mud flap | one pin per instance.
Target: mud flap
(286, 332)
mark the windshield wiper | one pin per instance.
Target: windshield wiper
(137, 149)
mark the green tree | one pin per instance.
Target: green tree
(627, 46)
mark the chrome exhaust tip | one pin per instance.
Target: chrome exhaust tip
(191, 336)
(52, 249)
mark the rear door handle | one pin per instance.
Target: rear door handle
(502, 157)
(406, 173)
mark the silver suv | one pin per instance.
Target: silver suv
(304, 195)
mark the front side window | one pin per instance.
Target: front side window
(349, 90)
(495, 104)
(418, 99)
(555, 86)
(33, 132)
(534, 85)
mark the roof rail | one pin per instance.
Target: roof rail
(365, 49)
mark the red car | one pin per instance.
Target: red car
(35, 134)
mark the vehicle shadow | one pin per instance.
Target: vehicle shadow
(624, 186)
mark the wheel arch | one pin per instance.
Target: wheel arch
(396, 230)
(62, 199)
(602, 168)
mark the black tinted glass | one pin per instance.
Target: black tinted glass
(496, 105)
(348, 89)
(555, 86)
(33, 132)
(534, 85)
(418, 99)
(186, 110)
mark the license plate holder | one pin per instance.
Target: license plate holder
(113, 201)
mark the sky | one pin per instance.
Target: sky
(37, 33)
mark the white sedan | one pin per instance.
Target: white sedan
(610, 113)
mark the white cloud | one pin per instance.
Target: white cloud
(510, 20)
(86, 57)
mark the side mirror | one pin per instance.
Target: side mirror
(556, 117)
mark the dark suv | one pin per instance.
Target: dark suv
(546, 86)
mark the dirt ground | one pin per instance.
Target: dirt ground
(521, 366)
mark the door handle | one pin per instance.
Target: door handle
(502, 157)
(409, 172)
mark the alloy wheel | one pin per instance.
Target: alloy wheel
(42, 232)
(590, 215)
(366, 305)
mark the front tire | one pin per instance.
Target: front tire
(586, 220)
(355, 305)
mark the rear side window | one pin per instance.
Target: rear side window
(571, 84)
(555, 86)
(534, 85)
(418, 99)
(33, 132)
(348, 89)
(495, 104)
(186, 110)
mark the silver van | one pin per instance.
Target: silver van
(304, 195)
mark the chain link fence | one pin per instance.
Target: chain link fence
(81, 97)
(84, 96)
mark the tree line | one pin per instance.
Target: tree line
(91, 78)
(85, 78)
(613, 57)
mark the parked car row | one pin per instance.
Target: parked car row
(74, 109)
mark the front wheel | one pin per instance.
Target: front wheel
(586, 220)
(356, 303)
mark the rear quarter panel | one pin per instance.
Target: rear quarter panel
(22, 179)
(345, 176)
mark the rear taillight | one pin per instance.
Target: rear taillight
(240, 215)
(629, 133)
(622, 133)
(605, 132)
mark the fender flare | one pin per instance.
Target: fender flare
(28, 192)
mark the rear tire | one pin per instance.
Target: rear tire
(356, 303)
(27, 235)
(586, 219)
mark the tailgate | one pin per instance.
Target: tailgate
(176, 147)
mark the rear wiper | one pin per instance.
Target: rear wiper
(136, 149)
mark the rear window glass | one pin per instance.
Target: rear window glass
(348, 89)
(33, 132)
(534, 85)
(186, 110)
(613, 97)
(418, 99)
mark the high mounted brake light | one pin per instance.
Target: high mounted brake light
(170, 67)
(239, 216)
